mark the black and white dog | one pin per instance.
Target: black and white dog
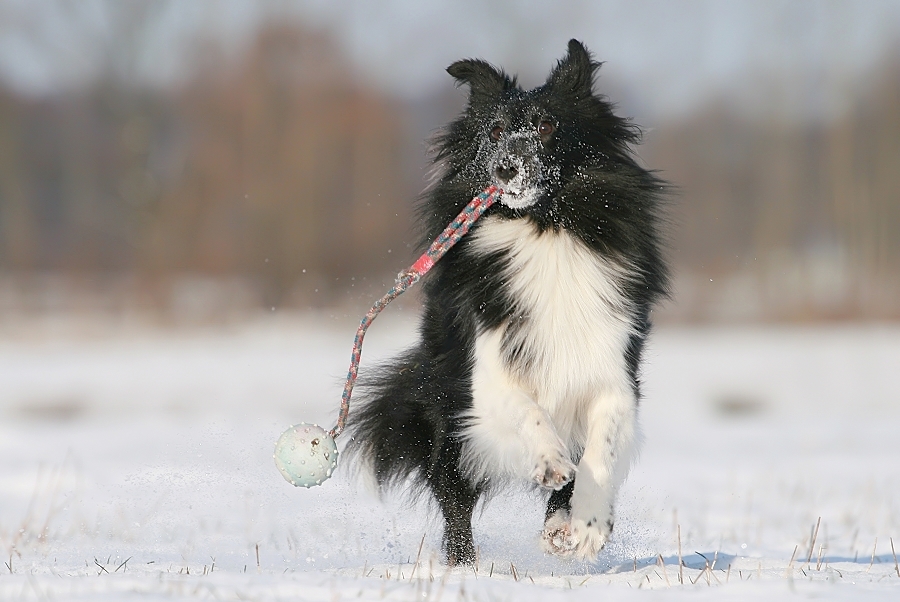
(531, 339)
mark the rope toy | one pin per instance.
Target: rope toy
(306, 454)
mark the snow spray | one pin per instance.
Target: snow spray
(306, 454)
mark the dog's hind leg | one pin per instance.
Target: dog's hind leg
(457, 498)
(555, 537)
(561, 499)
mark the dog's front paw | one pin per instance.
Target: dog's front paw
(574, 538)
(553, 471)
(590, 536)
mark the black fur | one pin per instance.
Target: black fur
(406, 421)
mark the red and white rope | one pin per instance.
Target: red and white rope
(408, 277)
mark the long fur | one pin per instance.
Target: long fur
(528, 361)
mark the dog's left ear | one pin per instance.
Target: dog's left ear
(575, 72)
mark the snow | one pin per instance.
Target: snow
(136, 463)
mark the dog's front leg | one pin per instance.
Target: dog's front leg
(507, 433)
(581, 527)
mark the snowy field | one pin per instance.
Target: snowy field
(136, 464)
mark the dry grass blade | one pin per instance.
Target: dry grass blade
(662, 564)
(712, 567)
(102, 568)
(812, 543)
(124, 564)
(680, 560)
(871, 562)
(418, 555)
(790, 565)
(896, 566)
(700, 574)
(706, 569)
(44, 494)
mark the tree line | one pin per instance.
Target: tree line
(287, 172)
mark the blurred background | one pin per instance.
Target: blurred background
(203, 160)
(199, 199)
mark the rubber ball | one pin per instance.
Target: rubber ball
(306, 455)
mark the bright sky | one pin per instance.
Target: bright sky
(668, 55)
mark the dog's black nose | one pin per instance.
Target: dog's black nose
(505, 173)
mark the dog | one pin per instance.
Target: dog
(527, 365)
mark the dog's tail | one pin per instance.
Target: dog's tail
(399, 422)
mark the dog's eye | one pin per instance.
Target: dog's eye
(496, 133)
(545, 128)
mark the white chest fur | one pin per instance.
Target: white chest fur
(576, 323)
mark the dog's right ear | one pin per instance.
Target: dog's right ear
(485, 81)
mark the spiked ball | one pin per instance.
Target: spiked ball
(306, 455)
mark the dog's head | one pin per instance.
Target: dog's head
(528, 143)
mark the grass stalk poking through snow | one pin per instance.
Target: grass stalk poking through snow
(662, 565)
(418, 555)
(871, 562)
(812, 543)
(790, 566)
(896, 566)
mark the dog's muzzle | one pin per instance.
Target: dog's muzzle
(520, 180)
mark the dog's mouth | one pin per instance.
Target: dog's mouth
(519, 198)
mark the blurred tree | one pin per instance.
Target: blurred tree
(279, 168)
(290, 169)
(788, 218)
(85, 170)
(18, 235)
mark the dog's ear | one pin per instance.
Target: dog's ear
(484, 80)
(575, 72)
